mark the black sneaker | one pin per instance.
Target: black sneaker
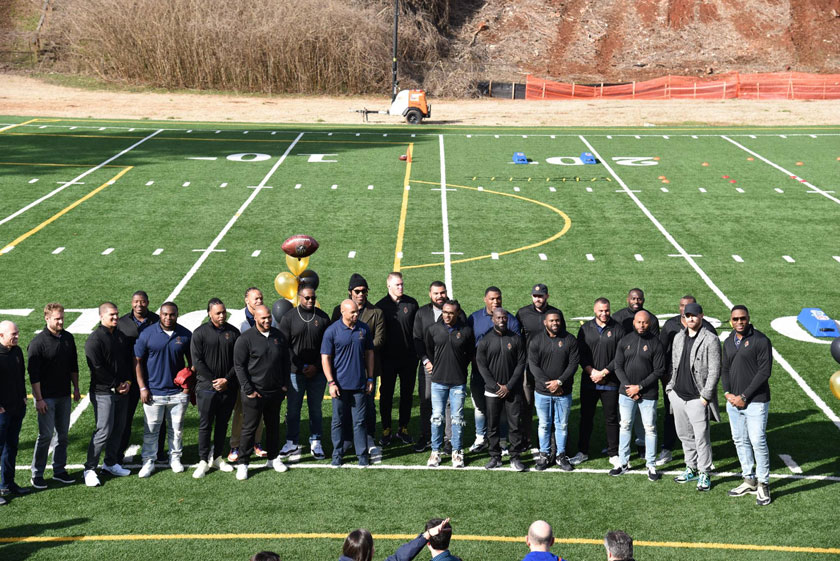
(564, 463)
(14, 489)
(386, 437)
(422, 445)
(447, 448)
(64, 477)
(494, 463)
(620, 470)
(517, 464)
(653, 475)
(542, 462)
(3, 501)
(38, 482)
(403, 435)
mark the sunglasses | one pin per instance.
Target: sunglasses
(739, 318)
(360, 291)
(307, 298)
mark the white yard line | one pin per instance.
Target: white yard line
(710, 283)
(781, 169)
(444, 211)
(792, 466)
(85, 174)
(207, 252)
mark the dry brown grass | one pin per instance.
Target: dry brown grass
(269, 46)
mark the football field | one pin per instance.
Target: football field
(93, 210)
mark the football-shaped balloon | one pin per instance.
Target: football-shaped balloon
(300, 245)
(279, 308)
(308, 278)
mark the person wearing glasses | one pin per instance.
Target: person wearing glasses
(745, 374)
(357, 290)
(695, 371)
(304, 327)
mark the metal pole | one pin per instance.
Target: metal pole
(394, 61)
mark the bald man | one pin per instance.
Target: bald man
(540, 538)
(347, 360)
(12, 407)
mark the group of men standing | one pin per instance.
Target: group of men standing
(514, 364)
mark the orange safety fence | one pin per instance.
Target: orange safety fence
(782, 85)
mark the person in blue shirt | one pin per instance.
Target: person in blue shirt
(347, 360)
(540, 538)
(159, 353)
(481, 322)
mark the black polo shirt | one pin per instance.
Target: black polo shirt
(451, 350)
(52, 361)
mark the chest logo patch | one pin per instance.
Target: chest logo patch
(746, 344)
(559, 343)
(316, 323)
(458, 335)
(609, 333)
(509, 346)
(227, 336)
(405, 309)
(644, 348)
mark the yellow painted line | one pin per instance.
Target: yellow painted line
(58, 165)
(566, 226)
(466, 538)
(10, 127)
(62, 212)
(403, 209)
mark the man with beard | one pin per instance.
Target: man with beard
(500, 357)
(635, 303)
(553, 359)
(639, 364)
(303, 328)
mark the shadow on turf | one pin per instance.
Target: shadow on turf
(24, 550)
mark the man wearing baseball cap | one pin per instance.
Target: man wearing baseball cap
(695, 371)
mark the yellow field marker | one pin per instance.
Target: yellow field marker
(10, 127)
(566, 226)
(403, 210)
(62, 212)
(402, 537)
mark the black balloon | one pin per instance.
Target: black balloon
(279, 308)
(308, 278)
(835, 349)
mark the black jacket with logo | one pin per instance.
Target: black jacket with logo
(450, 352)
(553, 358)
(597, 349)
(640, 360)
(262, 363)
(745, 370)
(501, 360)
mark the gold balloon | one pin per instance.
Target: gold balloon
(834, 382)
(286, 285)
(296, 300)
(295, 265)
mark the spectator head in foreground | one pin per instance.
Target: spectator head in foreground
(540, 538)
(439, 543)
(265, 556)
(619, 546)
(358, 545)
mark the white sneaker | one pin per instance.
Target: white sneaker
(148, 469)
(289, 449)
(201, 469)
(616, 463)
(176, 465)
(220, 464)
(116, 470)
(434, 460)
(317, 450)
(505, 449)
(242, 472)
(479, 444)
(278, 465)
(91, 479)
(578, 458)
(665, 456)
(457, 459)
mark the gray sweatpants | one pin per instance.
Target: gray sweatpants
(692, 422)
(109, 414)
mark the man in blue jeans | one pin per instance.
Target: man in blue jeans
(12, 407)
(553, 359)
(53, 365)
(450, 346)
(304, 328)
(745, 374)
(639, 364)
(159, 353)
(347, 360)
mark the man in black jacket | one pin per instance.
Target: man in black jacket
(12, 407)
(109, 358)
(500, 357)
(639, 364)
(53, 366)
(635, 303)
(531, 319)
(132, 325)
(597, 342)
(211, 348)
(262, 364)
(303, 328)
(745, 374)
(553, 359)
(451, 346)
(399, 358)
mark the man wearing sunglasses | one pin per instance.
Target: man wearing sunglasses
(745, 374)
(304, 327)
(357, 290)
